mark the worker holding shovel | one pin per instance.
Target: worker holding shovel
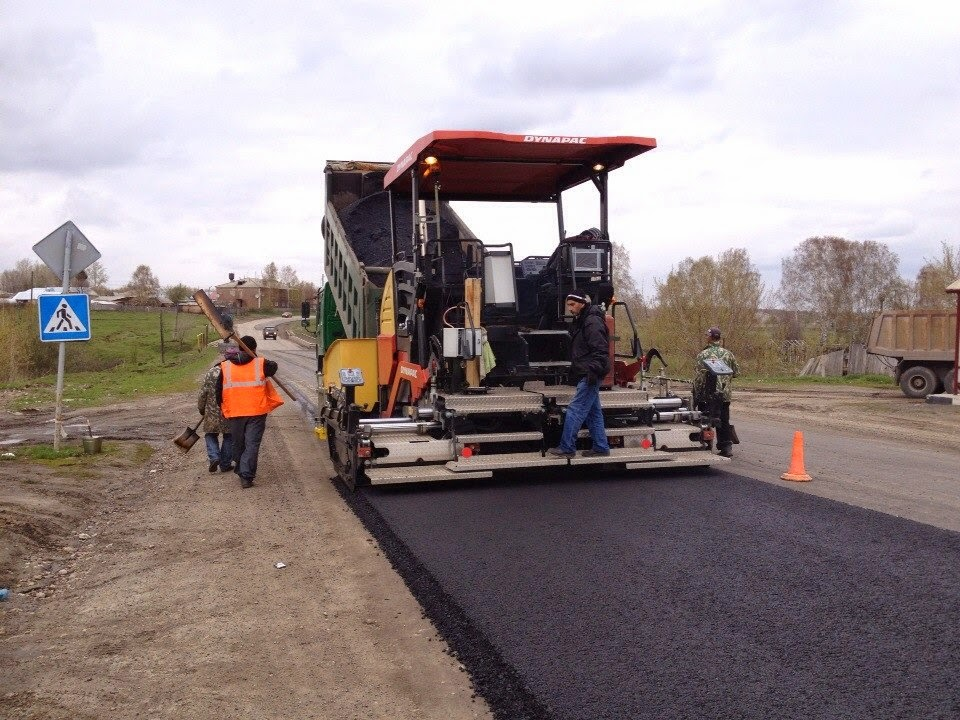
(219, 452)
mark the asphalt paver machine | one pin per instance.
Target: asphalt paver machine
(442, 355)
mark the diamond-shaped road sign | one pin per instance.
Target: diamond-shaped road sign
(64, 317)
(51, 250)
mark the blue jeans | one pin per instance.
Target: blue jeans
(217, 452)
(247, 433)
(584, 407)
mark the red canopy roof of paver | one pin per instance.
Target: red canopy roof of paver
(479, 165)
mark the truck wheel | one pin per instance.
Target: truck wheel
(948, 380)
(918, 381)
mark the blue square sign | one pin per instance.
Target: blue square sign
(64, 317)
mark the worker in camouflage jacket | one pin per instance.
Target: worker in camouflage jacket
(219, 452)
(713, 393)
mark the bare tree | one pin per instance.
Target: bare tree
(289, 282)
(934, 276)
(270, 273)
(143, 285)
(97, 276)
(269, 286)
(626, 290)
(288, 276)
(26, 274)
(302, 291)
(697, 294)
(843, 283)
(624, 284)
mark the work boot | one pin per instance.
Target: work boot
(595, 453)
(726, 450)
(558, 452)
(226, 468)
(213, 465)
(246, 482)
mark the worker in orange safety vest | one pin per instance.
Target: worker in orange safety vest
(246, 396)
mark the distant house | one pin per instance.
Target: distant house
(128, 300)
(31, 294)
(101, 304)
(253, 294)
(117, 300)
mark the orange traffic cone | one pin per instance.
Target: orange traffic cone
(796, 471)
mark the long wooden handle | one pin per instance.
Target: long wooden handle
(226, 333)
(213, 315)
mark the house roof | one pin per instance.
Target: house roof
(256, 283)
(242, 283)
(34, 293)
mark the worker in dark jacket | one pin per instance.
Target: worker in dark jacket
(246, 396)
(589, 364)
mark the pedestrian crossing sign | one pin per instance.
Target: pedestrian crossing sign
(64, 317)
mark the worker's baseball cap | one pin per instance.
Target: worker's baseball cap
(578, 297)
(714, 333)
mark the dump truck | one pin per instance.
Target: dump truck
(920, 346)
(442, 355)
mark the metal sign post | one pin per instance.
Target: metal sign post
(51, 252)
(62, 356)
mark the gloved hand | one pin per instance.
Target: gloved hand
(592, 379)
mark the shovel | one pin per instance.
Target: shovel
(188, 437)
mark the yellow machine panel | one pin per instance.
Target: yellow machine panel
(357, 353)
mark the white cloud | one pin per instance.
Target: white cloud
(192, 136)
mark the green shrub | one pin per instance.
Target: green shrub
(23, 355)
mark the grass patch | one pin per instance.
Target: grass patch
(866, 381)
(142, 452)
(46, 455)
(308, 333)
(113, 454)
(123, 360)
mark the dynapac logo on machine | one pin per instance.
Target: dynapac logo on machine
(561, 139)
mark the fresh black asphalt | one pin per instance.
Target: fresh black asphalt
(687, 595)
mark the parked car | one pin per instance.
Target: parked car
(270, 332)
(286, 314)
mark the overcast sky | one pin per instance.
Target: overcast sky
(192, 136)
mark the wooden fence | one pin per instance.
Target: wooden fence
(852, 360)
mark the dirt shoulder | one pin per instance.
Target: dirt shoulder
(879, 414)
(150, 589)
(877, 450)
